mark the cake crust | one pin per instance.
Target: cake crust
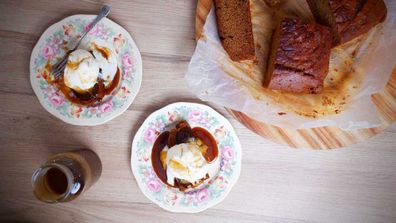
(372, 13)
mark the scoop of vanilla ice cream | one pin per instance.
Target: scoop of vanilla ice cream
(81, 71)
(106, 59)
(186, 162)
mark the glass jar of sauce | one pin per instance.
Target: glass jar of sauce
(65, 176)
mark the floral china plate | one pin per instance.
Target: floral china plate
(216, 189)
(53, 44)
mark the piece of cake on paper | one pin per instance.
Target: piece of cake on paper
(234, 25)
(300, 55)
(348, 18)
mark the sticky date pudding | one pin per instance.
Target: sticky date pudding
(90, 74)
(185, 157)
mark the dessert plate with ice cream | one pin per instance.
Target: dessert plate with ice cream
(186, 157)
(101, 78)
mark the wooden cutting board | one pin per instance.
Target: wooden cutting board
(314, 138)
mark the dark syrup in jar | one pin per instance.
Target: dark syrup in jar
(56, 181)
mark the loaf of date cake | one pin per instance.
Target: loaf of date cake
(235, 28)
(348, 18)
(299, 57)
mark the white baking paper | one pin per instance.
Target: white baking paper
(357, 70)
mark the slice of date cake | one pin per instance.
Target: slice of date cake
(300, 55)
(235, 28)
(348, 18)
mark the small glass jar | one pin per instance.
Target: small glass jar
(67, 175)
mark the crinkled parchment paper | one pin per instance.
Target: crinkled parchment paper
(358, 69)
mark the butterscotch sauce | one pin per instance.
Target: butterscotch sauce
(97, 93)
(104, 51)
(73, 65)
(159, 145)
(212, 152)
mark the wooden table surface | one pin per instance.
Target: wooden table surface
(277, 183)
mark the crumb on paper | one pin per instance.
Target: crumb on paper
(258, 45)
(354, 53)
(327, 101)
(203, 37)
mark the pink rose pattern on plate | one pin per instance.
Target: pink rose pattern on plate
(228, 153)
(215, 188)
(56, 100)
(55, 46)
(106, 107)
(127, 61)
(195, 116)
(48, 52)
(150, 135)
(154, 185)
